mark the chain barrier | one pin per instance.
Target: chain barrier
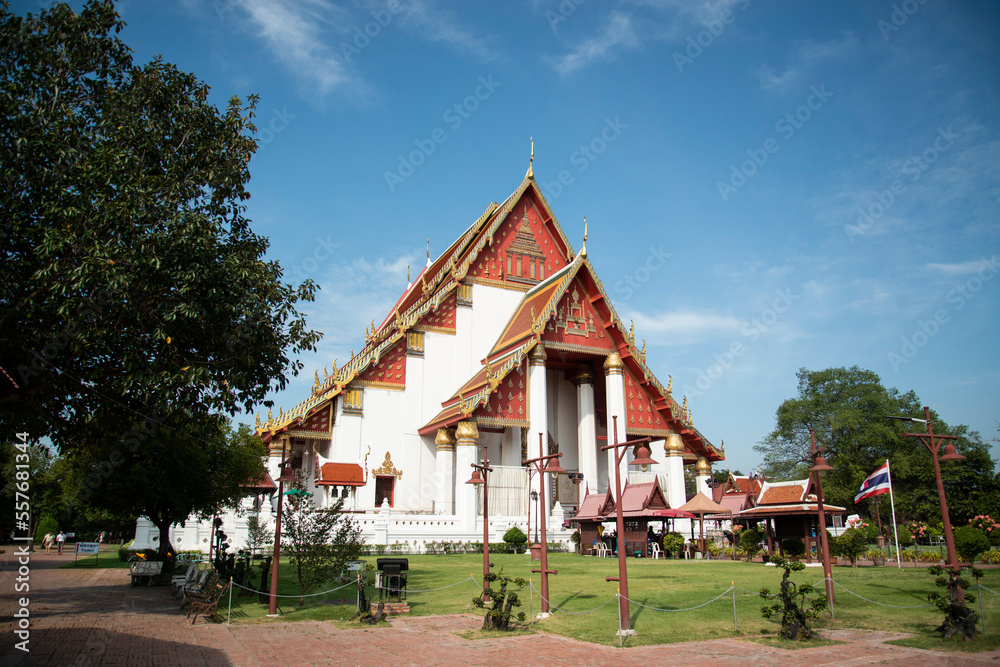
(881, 604)
(567, 611)
(307, 595)
(705, 604)
(989, 589)
(354, 583)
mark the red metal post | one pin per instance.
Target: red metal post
(272, 607)
(824, 545)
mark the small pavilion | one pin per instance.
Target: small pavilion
(790, 510)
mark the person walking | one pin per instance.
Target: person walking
(48, 541)
(60, 539)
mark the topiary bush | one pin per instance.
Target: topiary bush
(793, 603)
(851, 544)
(46, 525)
(970, 544)
(750, 542)
(515, 538)
(793, 547)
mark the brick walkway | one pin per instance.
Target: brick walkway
(93, 617)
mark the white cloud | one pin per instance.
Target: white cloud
(291, 30)
(437, 25)
(962, 268)
(806, 54)
(618, 31)
(682, 326)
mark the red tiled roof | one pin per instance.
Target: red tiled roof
(263, 483)
(341, 474)
(786, 493)
(734, 501)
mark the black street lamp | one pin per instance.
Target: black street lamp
(534, 499)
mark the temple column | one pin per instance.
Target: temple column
(444, 471)
(466, 453)
(676, 496)
(614, 390)
(702, 476)
(538, 409)
(587, 426)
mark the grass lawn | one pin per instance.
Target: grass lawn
(667, 588)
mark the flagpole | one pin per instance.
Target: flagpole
(892, 503)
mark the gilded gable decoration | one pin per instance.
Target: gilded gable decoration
(387, 468)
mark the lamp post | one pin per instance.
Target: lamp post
(286, 476)
(551, 467)
(485, 481)
(534, 499)
(622, 578)
(576, 478)
(933, 443)
(820, 468)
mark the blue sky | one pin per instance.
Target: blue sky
(768, 186)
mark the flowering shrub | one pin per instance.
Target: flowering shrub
(985, 524)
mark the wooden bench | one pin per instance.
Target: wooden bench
(209, 605)
(148, 569)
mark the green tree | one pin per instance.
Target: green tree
(319, 541)
(193, 466)
(130, 280)
(848, 409)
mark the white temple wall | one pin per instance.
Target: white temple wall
(380, 430)
(491, 310)
(440, 381)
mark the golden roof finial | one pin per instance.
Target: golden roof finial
(643, 349)
(583, 250)
(631, 333)
(270, 417)
(685, 407)
(670, 385)
(258, 420)
(531, 160)
(428, 250)
(408, 281)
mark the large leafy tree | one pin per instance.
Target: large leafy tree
(191, 465)
(131, 284)
(848, 407)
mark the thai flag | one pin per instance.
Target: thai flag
(876, 484)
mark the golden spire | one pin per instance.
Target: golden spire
(531, 172)
(408, 281)
(583, 250)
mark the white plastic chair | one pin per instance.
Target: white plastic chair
(657, 551)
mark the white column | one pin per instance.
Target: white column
(674, 450)
(702, 475)
(587, 426)
(466, 453)
(444, 472)
(614, 389)
(538, 409)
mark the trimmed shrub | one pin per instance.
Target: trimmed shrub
(970, 544)
(793, 547)
(516, 538)
(851, 544)
(750, 542)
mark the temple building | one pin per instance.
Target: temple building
(505, 345)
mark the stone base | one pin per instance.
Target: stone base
(391, 608)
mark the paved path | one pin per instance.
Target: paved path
(93, 617)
